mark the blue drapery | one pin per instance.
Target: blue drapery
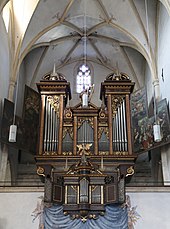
(115, 217)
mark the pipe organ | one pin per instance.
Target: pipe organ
(85, 152)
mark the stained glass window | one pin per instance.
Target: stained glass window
(83, 78)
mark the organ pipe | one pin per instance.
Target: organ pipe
(51, 127)
(119, 130)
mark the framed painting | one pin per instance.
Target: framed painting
(163, 119)
(139, 104)
(143, 137)
(7, 120)
(31, 118)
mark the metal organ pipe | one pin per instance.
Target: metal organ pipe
(120, 129)
(46, 123)
(51, 127)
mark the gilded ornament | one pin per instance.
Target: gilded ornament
(130, 171)
(54, 102)
(40, 171)
(89, 120)
(101, 130)
(120, 153)
(67, 113)
(68, 130)
(51, 153)
(116, 102)
(117, 76)
(67, 153)
(102, 153)
(84, 149)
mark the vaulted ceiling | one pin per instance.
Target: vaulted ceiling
(109, 33)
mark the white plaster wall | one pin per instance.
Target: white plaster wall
(165, 157)
(153, 208)
(16, 210)
(149, 83)
(31, 62)
(164, 63)
(138, 66)
(4, 63)
(163, 51)
(4, 69)
(20, 90)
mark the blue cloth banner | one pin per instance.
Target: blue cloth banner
(115, 217)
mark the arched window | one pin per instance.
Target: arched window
(83, 79)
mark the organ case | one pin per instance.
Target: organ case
(99, 136)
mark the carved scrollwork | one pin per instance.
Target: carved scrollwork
(120, 153)
(51, 153)
(54, 77)
(101, 130)
(67, 153)
(54, 102)
(40, 171)
(117, 76)
(67, 113)
(89, 120)
(102, 113)
(130, 171)
(68, 130)
(103, 153)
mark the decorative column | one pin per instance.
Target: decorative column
(110, 123)
(95, 136)
(164, 150)
(75, 136)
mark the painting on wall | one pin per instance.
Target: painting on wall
(163, 118)
(20, 143)
(7, 120)
(31, 118)
(142, 125)
(139, 113)
(139, 105)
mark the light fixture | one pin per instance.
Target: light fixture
(13, 127)
(12, 133)
(157, 132)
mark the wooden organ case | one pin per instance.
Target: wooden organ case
(85, 152)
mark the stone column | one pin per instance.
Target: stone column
(3, 162)
(165, 159)
(11, 90)
(165, 150)
(156, 89)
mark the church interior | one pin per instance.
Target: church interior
(84, 114)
